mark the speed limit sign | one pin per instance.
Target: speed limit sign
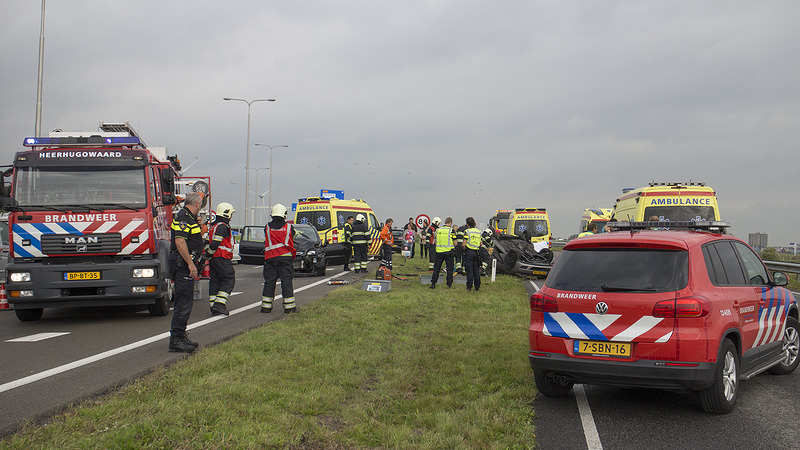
(422, 219)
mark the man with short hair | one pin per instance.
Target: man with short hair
(185, 257)
(387, 242)
(472, 259)
(445, 237)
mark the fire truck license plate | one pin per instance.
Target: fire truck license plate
(77, 276)
(616, 349)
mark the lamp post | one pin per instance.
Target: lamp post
(247, 162)
(270, 167)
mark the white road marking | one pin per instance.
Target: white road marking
(587, 420)
(38, 337)
(534, 285)
(134, 345)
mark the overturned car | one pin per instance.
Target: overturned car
(516, 255)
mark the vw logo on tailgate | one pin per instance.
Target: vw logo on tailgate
(601, 308)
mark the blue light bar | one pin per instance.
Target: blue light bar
(94, 141)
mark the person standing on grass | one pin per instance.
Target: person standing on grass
(430, 232)
(472, 258)
(413, 227)
(387, 241)
(423, 240)
(186, 248)
(445, 238)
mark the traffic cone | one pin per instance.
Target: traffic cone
(3, 300)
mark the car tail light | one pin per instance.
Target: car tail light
(681, 308)
(545, 303)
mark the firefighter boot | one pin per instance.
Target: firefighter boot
(219, 308)
(179, 344)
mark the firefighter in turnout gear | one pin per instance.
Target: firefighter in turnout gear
(487, 247)
(472, 259)
(459, 253)
(444, 249)
(430, 232)
(186, 261)
(360, 241)
(348, 246)
(279, 254)
(219, 252)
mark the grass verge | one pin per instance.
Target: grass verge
(410, 368)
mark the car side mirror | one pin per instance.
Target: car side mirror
(780, 279)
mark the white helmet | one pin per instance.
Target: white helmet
(360, 218)
(278, 211)
(225, 210)
(436, 221)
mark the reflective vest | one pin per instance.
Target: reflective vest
(473, 238)
(279, 242)
(585, 233)
(360, 234)
(348, 233)
(225, 249)
(444, 239)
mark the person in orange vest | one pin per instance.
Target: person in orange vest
(219, 253)
(279, 254)
(387, 241)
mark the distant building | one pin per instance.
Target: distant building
(758, 240)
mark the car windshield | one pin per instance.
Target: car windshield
(536, 228)
(620, 270)
(67, 186)
(305, 237)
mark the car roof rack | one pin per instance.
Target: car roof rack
(701, 225)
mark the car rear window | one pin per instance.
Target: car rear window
(620, 270)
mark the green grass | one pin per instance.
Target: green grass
(410, 368)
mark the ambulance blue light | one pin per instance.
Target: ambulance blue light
(73, 141)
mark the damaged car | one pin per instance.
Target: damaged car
(516, 255)
(311, 258)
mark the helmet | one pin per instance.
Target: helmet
(225, 210)
(436, 221)
(360, 218)
(278, 211)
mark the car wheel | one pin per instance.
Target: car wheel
(29, 315)
(161, 306)
(791, 346)
(511, 259)
(720, 397)
(548, 386)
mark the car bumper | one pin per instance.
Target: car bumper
(643, 373)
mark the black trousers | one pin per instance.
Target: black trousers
(386, 256)
(348, 253)
(472, 265)
(184, 296)
(449, 260)
(222, 276)
(423, 249)
(360, 256)
(278, 267)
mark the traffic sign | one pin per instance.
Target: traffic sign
(421, 219)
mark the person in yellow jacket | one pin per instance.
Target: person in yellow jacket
(472, 259)
(444, 248)
(590, 230)
(387, 241)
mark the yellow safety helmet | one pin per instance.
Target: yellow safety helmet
(278, 211)
(225, 210)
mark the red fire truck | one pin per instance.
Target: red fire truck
(89, 222)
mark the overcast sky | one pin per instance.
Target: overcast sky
(443, 107)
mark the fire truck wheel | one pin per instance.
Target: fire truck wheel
(161, 306)
(29, 315)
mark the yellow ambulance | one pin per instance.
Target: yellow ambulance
(328, 216)
(598, 216)
(667, 201)
(530, 222)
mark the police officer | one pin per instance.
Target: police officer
(444, 248)
(279, 254)
(219, 253)
(348, 246)
(185, 257)
(430, 232)
(472, 259)
(360, 240)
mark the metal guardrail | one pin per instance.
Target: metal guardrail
(781, 266)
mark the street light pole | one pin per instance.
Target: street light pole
(247, 162)
(270, 167)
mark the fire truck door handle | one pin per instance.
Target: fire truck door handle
(761, 303)
(736, 304)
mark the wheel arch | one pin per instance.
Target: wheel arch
(733, 335)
